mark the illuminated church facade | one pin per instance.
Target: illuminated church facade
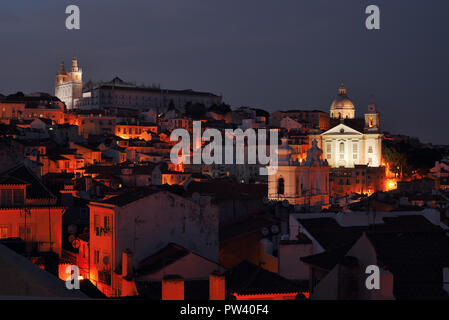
(69, 85)
(303, 183)
(351, 141)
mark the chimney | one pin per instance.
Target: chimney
(127, 263)
(172, 288)
(67, 197)
(387, 284)
(216, 286)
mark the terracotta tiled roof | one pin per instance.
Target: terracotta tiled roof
(164, 257)
(35, 188)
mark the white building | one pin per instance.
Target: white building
(120, 94)
(69, 86)
(351, 141)
(342, 107)
(305, 183)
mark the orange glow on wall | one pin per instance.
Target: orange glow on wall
(391, 184)
(388, 172)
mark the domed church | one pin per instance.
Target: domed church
(342, 107)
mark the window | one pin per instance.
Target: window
(342, 147)
(107, 223)
(96, 256)
(281, 186)
(3, 232)
(10, 197)
(6, 197)
(18, 197)
(370, 149)
(97, 224)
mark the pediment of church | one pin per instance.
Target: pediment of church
(342, 129)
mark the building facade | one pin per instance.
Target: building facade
(350, 141)
(302, 183)
(144, 224)
(118, 93)
(69, 86)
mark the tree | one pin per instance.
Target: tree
(195, 110)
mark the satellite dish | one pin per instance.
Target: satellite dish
(72, 228)
(76, 243)
(274, 229)
(265, 231)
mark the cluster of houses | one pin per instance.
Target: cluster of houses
(95, 188)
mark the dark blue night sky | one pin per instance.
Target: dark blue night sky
(263, 53)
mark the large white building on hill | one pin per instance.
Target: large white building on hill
(351, 141)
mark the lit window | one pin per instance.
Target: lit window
(3, 232)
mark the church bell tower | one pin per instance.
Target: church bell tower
(69, 86)
(372, 119)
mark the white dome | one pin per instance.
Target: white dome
(342, 106)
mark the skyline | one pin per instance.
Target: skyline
(284, 56)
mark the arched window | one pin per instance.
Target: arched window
(281, 186)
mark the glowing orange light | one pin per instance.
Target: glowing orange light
(391, 184)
